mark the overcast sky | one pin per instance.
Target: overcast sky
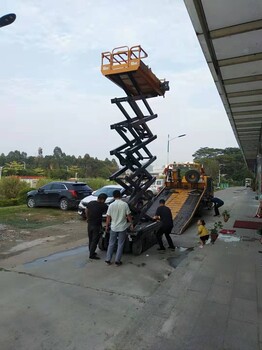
(52, 92)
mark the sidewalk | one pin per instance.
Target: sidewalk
(190, 299)
(212, 301)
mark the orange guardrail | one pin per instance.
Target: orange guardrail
(122, 59)
(125, 67)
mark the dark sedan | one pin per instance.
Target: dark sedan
(62, 194)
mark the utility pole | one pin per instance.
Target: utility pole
(1, 168)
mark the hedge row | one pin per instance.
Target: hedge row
(10, 202)
(20, 199)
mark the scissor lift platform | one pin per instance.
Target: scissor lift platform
(125, 68)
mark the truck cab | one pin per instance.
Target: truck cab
(248, 182)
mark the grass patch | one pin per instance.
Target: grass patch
(23, 217)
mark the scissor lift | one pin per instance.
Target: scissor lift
(124, 67)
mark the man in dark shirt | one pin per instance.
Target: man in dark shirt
(217, 204)
(163, 213)
(94, 214)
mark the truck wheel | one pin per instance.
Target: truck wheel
(127, 246)
(192, 176)
(137, 246)
(149, 195)
(103, 243)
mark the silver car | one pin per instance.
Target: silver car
(108, 190)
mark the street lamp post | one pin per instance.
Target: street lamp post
(219, 174)
(7, 19)
(168, 142)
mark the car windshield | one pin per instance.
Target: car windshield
(46, 187)
(107, 190)
(80, 187)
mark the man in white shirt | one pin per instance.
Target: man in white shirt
(119, 215)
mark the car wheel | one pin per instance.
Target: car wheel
(31, 202)
(82, 214)
(83, 217)
(64, 205)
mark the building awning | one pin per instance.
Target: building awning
(230, 34)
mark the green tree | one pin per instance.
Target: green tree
(39, 171)
(229, 162)
(58, 152)
(206, 152)
(57, 165)
(13, 168)
(74, 171)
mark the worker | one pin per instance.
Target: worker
(119, 216)
(217, 204)
(94, 213)
(164, 215)
(168, 171)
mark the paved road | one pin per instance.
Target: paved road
(210, 300)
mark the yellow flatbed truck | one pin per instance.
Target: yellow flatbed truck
(184, 194)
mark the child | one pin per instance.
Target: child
(202, 231)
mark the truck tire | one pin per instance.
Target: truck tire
(192, 176)
(149, 195)
(103, 243)
(137, 246)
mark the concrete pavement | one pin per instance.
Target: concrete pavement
(212, 301)
(210, 298)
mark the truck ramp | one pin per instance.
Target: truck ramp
(183, 204)
(183, 207)
(164, 194)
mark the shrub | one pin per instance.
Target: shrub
(23, 194)
(216, 227)
(8, 202)
(226, 213)
(11, 186)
